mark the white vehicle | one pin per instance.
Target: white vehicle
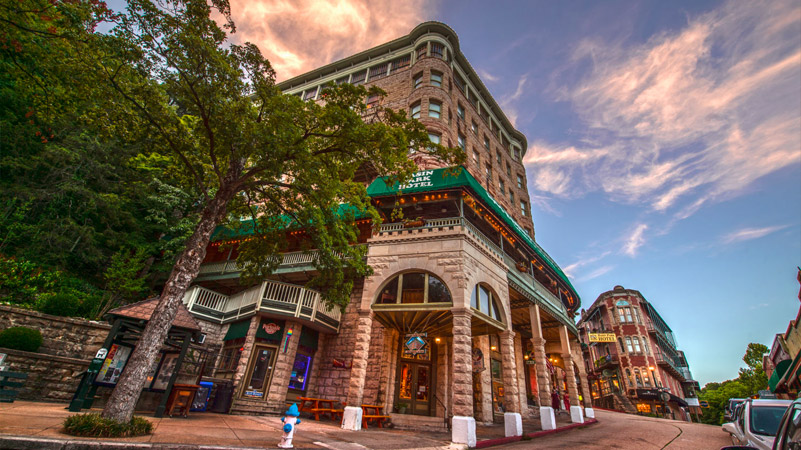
(756, 423)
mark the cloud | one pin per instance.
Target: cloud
(301, 35)
(635, 240)
(688, 118)
(747, 234)
(571, 269)
(596, 273)
(486, 75)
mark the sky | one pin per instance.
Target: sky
(664, 140)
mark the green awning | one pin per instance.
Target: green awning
(237, 330)
(457, 177)
(778, 373)
(246, 227)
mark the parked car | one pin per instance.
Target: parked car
(728, 410)
(788, 437)
(757, 422)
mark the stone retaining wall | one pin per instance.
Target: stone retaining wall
(61, 336)
(50, 378)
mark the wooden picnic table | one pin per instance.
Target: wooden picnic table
(373, 412)
(317, 406)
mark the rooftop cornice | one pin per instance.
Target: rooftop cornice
(419, 31)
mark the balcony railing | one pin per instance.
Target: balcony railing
(606, 361)
(270, 296)
(449, 222)
(288, 261)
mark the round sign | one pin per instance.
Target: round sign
(664, 396)
(607, 373)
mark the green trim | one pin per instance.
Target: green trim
(308, 338)
(459, 177)
(276, 336)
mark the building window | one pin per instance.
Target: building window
(628, 377)
(474, 128)
(498, 157)
(435, 138)
(508, 170)
(372, 100)
(434, 109)
(310, 94)
(511, 197)
(523, 208)
(460, 140)
(645, 345)
(460, 111)
(418, 80)
(341, 80)
(459, 82)
(489, 174)
(437, 50)
(622, 348)
(625, 314)
(476, 158)
(379, 71)
(520, 182)
(358, 78)
(516, 154)
(436, 79)
(628, 345)
(416, 111)
(410, 287)
(401, 62)
(482, 299)
(486, 142)
(300, 371)
(636, 341)
(502, 185)
(422, 50)
(637, 376)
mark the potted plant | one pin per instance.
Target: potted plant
(401, 407)
(414, 223)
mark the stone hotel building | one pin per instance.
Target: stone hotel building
(464, 309)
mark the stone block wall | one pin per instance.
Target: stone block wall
(50, 378)
(61, 336)
(332, 382)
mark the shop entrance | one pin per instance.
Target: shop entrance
(414, 390)
(257, 378)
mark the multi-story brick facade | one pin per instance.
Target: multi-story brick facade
(463, 307)
(633, 358)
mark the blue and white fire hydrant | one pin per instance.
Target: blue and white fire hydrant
(290, 419)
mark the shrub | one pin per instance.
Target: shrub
(94, 425)
(61, 304)
(21, 338)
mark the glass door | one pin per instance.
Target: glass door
(414, 388)
(261, 368)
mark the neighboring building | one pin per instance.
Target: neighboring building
(783, 363)
(464, 309)
(632, 357)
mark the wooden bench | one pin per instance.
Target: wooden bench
(8, 382)
(317, 411)
(373, 412)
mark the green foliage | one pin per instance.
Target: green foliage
(21, 281)
(21, 338)
(93, 425)
(751, 380)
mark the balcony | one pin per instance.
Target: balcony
(678, 371)
(605, 362)
(270, 296)
(290, 262)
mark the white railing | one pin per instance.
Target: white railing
(287, 259)
(275, 296)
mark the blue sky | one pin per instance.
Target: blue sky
(664, 140)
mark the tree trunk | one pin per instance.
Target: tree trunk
(120, 405)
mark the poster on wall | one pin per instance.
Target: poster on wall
(478, 360)
(152, 375)
(165, 371)
(113, 365)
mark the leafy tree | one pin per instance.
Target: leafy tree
(753, 376)
(752, 379)
(248, 149)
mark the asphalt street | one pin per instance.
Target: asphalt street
(626, 431)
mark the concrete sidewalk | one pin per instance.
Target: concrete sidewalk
(33, 425)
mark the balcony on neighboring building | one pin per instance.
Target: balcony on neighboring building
(668, 363)
(269, 297)
(606, 361)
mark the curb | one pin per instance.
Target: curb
(36, 443)
(507, 440)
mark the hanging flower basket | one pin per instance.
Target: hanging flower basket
(522, 266)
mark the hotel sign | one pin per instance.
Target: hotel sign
(602, 337)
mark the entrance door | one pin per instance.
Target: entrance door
(257, 379)
(414, 388)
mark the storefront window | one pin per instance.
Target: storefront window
(300, 372)
(415, 287)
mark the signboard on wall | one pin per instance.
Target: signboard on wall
(602, 337)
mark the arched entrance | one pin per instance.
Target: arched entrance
(417, 305)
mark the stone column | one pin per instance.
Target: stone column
(521, 377)
(244, 358)
(513, 422)
(485, 377)
(464, 425)
(547, 418)
(352, 417)
(282, 370)
(585, 385)
(443, 381)
(576, 412)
